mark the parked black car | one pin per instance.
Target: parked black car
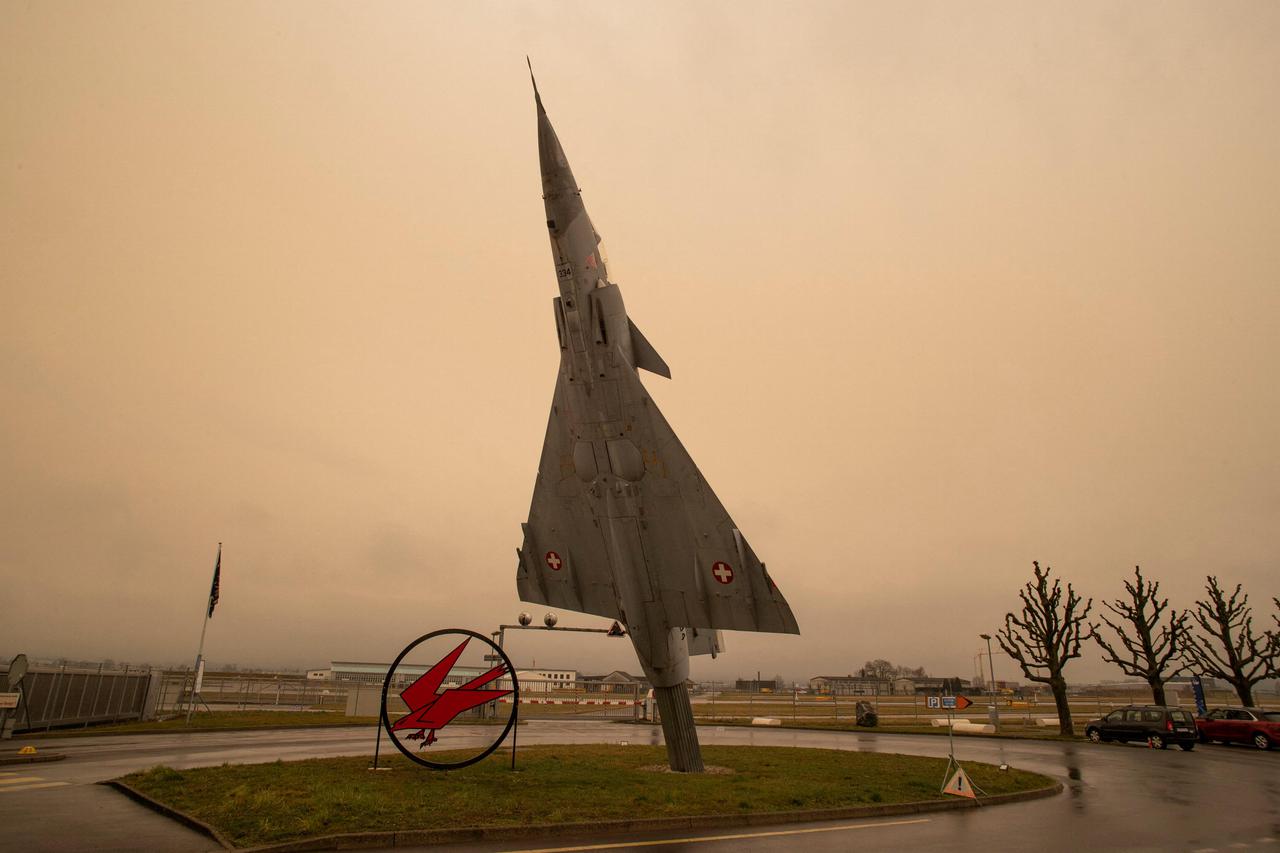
(1154, 724)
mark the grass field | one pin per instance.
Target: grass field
(262, 803)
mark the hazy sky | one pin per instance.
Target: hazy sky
(945, 288)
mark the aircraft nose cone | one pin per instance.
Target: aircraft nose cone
(557, 177)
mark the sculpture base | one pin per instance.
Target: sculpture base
(678, 729)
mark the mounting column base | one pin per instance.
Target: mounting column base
(678, 730)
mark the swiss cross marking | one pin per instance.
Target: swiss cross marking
(554, 561)
(722, 572)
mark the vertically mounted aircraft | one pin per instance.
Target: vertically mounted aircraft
(623, 524)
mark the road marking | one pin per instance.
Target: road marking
(1206, 850)
(33, 787)
(1266, 839)
(12, 780)
(737, 837)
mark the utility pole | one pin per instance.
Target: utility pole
(993, 712)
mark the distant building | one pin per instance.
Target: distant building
(319, 675)
(941, 686)
(857, 685)
(531, 680)
(1206, 682)
(755, 685)
(850, 685)
(358, 672)
(618, 681)
(542, 680)
(557, 677)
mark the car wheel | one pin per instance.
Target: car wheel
(1157, 742)
(1187, 747)
(1094, 735)
(1261, 741)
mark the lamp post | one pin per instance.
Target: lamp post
(993, 712)
(549, 624)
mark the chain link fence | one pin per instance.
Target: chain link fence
(722, 702)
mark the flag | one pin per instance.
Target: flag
(217, 580)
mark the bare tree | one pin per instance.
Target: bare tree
(1275, 641)
(1273, 638)
(878, 668)
(1229, 649)
(1046, 636)
(1146, 652)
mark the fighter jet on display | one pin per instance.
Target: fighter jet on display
(431, 710)
(622, 523)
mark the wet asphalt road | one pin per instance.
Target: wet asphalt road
(1117, 797)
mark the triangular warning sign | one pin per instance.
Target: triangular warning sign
(959, 785)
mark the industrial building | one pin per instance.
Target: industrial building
(758, 685)
(535, 680)
(356, 672)
(857, 685)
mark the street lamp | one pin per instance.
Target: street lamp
(993, 712)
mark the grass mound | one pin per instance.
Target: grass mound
(264, 803)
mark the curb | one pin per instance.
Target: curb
(926, 733)
(169, 812)
(421, 837)
(38, 758)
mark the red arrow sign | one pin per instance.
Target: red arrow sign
(963, 702)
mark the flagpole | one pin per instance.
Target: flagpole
(191, 702)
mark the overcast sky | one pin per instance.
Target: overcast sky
(945, 288)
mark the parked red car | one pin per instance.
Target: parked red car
(1255, 726)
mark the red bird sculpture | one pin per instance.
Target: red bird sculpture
(431, 710)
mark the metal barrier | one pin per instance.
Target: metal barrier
(62, 697)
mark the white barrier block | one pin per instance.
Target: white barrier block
(1047, 721)
(974, 728)
(765, 721)
(942, 722)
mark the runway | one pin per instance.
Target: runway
(1117, 797)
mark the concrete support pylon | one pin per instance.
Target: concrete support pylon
(678, 729)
